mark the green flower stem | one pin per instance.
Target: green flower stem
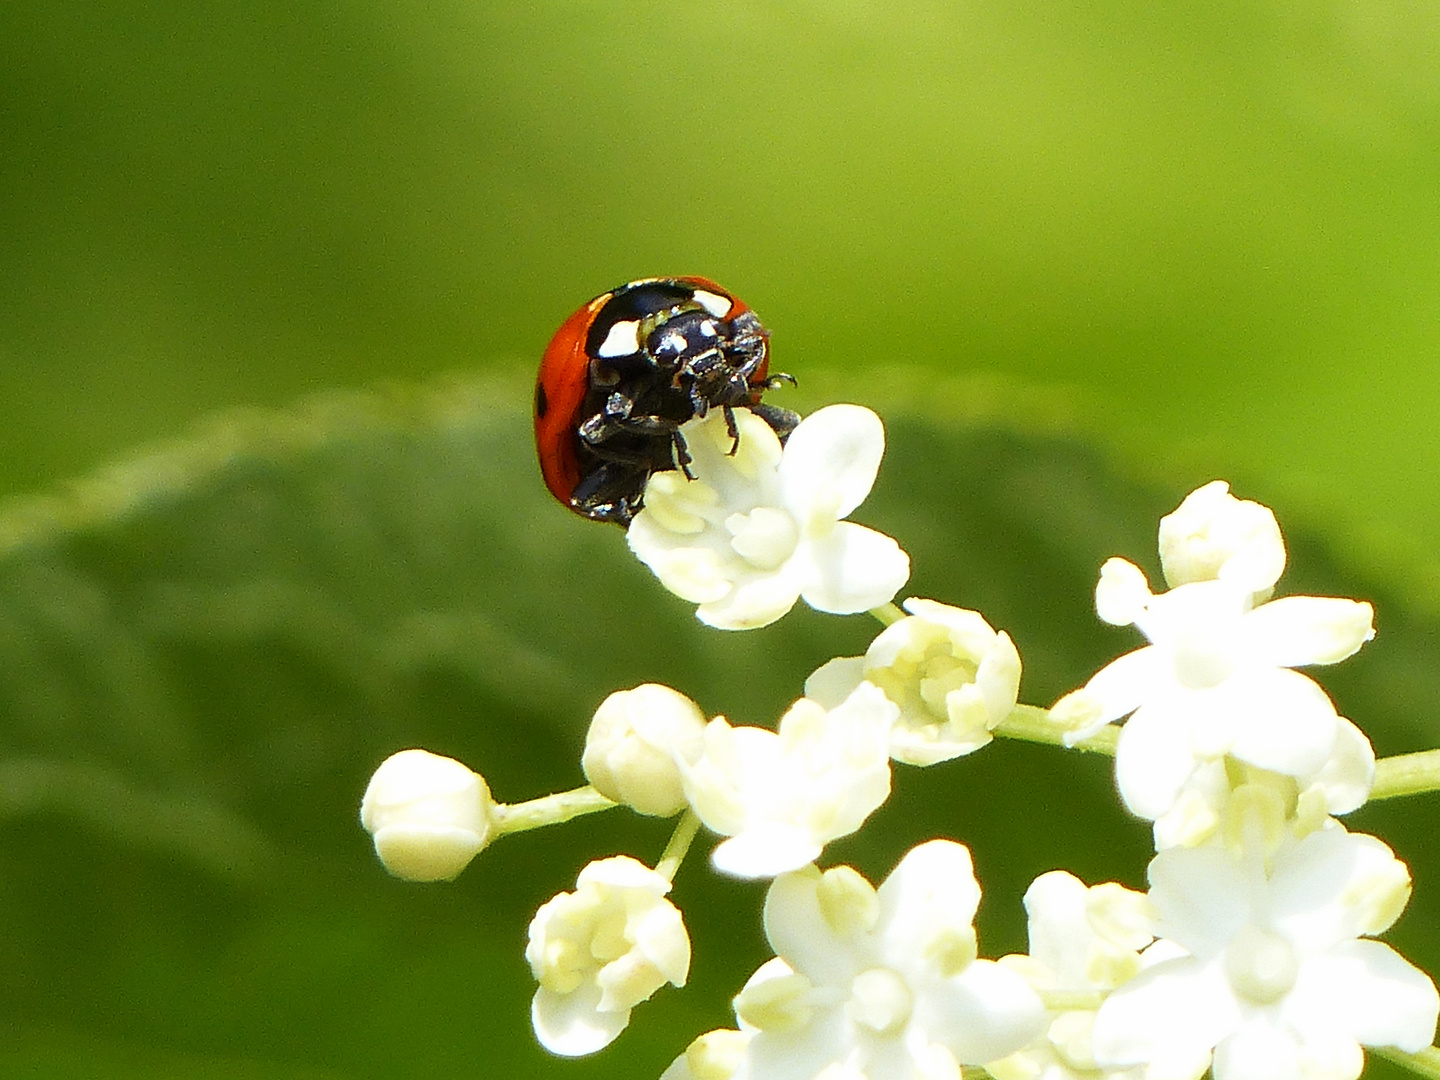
(1407, 774)
(1033, 724)
(674, 853)
(1425, 1063)
(550, 810)
(889, 614)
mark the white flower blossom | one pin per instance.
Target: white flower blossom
(716, 1055)
(1216, 678)
(760, 528)
(632, 743)
(952, 675)
(880, 984)
(781, 796)
(1267, 967)
(1081, 939)
(599, 951)
(429, 815)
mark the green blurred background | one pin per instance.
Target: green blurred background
(1081, 256)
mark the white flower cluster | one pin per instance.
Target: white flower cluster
(1261, 967)
(879, 983)
(1250, 954)
(1260, 900)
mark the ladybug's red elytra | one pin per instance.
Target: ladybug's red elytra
(624, 372)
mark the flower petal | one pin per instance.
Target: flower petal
(969, 630)
(661, 939)
(1336, 885)
(835, 453)
(802, 1054)
(691, 570)
(1280, 720)
(985, 1013)
(571, 1025)
(1122, 593)
(1058, 933)
(798, 931)
(1175, 1011)
(1152, 762)
(714, 1054)
(933, 887)
(998, 678)
(1259, 1050)
(1349, 773)
(752, 603)
(853, 569)
(834, 681)
(1201, 896)
(1297, 630)
(1214, 535)
(1367, 990)
(1122, 685)
(768, 849)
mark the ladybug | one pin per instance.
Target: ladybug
(624, 372)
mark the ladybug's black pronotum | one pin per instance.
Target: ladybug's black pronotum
(624, 372)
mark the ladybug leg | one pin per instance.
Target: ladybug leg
(682, 453)
(610, 492)
(636, 457)
(612, 418)
(781, 421)
(618, 417)
(732, 429)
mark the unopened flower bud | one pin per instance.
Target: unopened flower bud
(1213, 535)
(429, 815)
(631, 746)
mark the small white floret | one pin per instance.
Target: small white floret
(716, 1055)
(1081, 939)
(876, 983)
(1265, 964)
(429, 815)
(953, 677)
(601, 950)
(1215, 682)
(759, 528)
(781, 796)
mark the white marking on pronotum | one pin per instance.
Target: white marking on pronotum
(623, 339)
(714, 303)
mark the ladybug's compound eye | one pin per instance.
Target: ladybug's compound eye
(684, 336)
